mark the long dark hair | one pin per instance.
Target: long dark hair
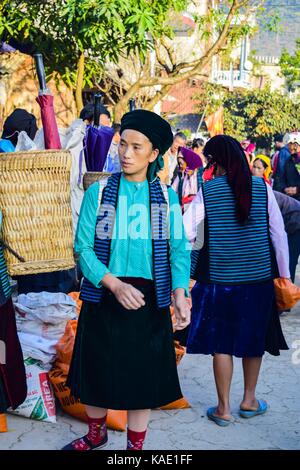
(227, 152)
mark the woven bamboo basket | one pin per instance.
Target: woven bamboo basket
(91, 177)
(36, 207)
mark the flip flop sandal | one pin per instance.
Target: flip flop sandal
(262, 408)
(219, 421)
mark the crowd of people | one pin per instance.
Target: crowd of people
(233, 225)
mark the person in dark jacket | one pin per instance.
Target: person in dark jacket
(290, 210)
(87, 115)
(279, 159)
(290, 181)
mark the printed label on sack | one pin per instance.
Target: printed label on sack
(39, 412)
(40, 401)
(47, 394)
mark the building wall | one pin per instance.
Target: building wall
(19, 89)
(180, 99)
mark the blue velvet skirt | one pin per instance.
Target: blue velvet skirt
(240, 320)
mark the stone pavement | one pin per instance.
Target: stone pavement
(189, 429)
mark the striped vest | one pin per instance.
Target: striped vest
(159, 227)
(200, 177)
(5, 289)
(233, 253)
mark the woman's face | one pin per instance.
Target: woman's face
(293, 147)
(181, 163)
(258, 169)
(198, 150)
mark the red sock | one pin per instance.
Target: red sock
(135, 440)
(97, 433)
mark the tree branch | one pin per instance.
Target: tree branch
(158, 96)
(198, 65)
(170, 52)
(79, 82)
(160, 59)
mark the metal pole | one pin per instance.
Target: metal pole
(39, 64)
(97, 104)
(201, 120)
(131, 104)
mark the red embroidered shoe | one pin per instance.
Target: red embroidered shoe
(83, 444)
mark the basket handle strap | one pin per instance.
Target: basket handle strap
(13, 252)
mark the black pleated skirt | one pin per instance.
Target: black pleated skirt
(124, 359)
(4, 402)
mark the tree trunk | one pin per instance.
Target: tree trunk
(120, 109)
(122, 105)
(79, 83)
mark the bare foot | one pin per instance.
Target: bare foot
(249, 405)
(226, 416)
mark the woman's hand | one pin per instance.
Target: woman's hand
(127, 295)
(291, 190)
(182, 310)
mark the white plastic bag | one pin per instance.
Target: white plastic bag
(41, 320)
(42, 329)
(47, 307)
(25, 142)
(42, 349)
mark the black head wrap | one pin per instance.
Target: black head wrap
(228, 153)
(88, 112)
(19, 120)
(158, 131)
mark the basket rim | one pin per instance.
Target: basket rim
(30, 152)
(16, 161)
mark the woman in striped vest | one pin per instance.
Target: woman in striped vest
(239, 235)
(124, 357)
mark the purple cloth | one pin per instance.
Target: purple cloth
(297, 158)
(6, 48)
(192, 159)
(97, 142)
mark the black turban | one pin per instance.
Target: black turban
(158, 131)
(19, 120)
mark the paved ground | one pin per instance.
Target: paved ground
(189, 429)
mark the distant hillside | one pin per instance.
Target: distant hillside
(271, 44)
